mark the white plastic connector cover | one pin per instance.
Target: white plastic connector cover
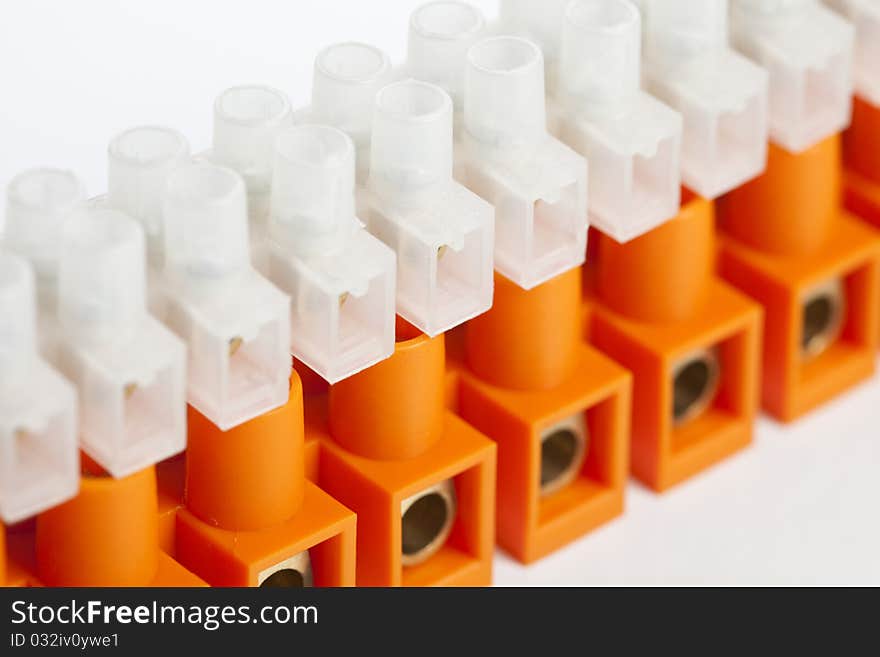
(38, 203)
(341, 279)
(442, 232)
(440, 35)
(540, 22)
(247, 120)
(139, 161)
(807, 50)
(235, 322)
(631, 140)
(346, 80)
(537, 184)
(127, 367)
(721, 95)
(865, 16)
(39, 454)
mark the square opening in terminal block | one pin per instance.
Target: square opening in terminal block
(316, 547)
(342, 306)
(708, 389)
(695, 383)
(444, 257)
(822, 315)
(239, 348)
(39, 460)
(562, 453)
(540, 214)
(132, 410)
(835, 322)
(423, 521)
(634, 166)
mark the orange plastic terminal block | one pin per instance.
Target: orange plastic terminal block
(11, 573)
(421, 480)
(106, 536)
(557, 409)
(251, 518)
(170, 479)
(690, 340)
(861, 155)
(786, 242)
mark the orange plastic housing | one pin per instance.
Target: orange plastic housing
(106, 536)
(861, 148)
(650, 303)
(17, 567)
(249, 507)
(524, 368)
(385, 436)
(783, 234)
(170, 478)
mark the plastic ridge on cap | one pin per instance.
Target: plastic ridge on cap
(442, 232)
(341, 279)
(721, 95)
(39, 455)
(235, 322)
(807, 50)
(127, 367)
(537, 184)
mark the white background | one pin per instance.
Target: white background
(799, 506)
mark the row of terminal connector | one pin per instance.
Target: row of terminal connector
(451, 190)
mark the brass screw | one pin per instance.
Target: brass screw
(235, 345)
(441, 251)
(129, 390)
(343, 298)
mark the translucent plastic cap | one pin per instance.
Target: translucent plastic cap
(234, 321)
(504, 89)
(102, 285)
(128, 368)
(39, 459)
(341, 278)
(347, 77)
(537, 184)
(600, 69)
(807, 50)
(442, 233)
(206, 229)
(247, 119)
(542, 23)
(140, 160)
(721, 95)
(18, 343)
(313, 192)
(440, 34)
(865, 16)
(38, 202)
(631, 140)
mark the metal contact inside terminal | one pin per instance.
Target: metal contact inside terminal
(426, 521)
(563, 452)
(295, 572)
(695, 383)
(824, 308)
